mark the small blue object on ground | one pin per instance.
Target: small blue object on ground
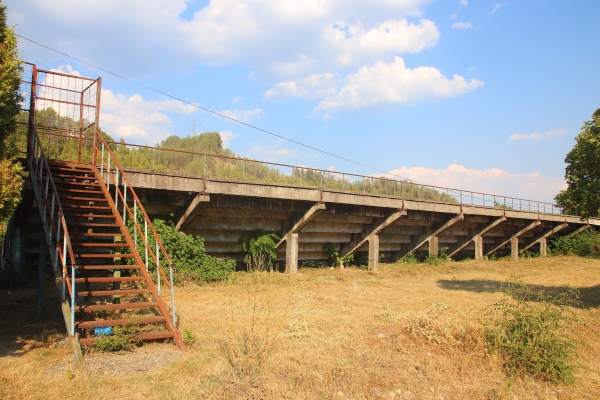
(103, 330)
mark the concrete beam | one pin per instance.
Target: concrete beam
(515, 236)
(428, 236)
(577, 231)
(200, 198)
(478, 234)
(546, 235)
(302, 222)
(374, 229)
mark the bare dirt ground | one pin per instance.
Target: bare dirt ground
(409, 332)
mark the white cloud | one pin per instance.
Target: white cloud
(135, 117)
(495, 181)
(226, 137)
(312, 87)
(293, 45)
(497, 6)
(394, 83)
(462, 25)
(271, 153)
(464, 2)
(243, 115)
(537, 135)
(261, 34)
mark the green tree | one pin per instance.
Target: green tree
(10, 79)
(582, 196)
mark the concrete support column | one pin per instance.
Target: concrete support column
(514, 248)
(478, 240)
(434, 246)
(291, 253)
(43, 249)
(544, 247)
(373, 253)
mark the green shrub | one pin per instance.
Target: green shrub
(124, 338)
(409, 259)
(188, 254)
(437, 259)
(335, 258)
(260, 250)
(586, 244)
(531, 333)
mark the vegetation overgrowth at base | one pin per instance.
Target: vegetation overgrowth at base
(585, 244)
(191, 263)
(413, 331)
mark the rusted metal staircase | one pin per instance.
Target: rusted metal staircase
(108, 260)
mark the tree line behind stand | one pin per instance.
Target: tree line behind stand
(211, 159)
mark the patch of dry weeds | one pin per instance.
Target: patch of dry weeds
(410, 332)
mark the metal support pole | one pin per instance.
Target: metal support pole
(72, 300)
(172, 295)
(41, 276)
(158, 267)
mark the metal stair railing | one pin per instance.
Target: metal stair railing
(55, 231)
(117, 185)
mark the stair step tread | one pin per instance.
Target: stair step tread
(70, 206)
(102, 255)
(95, 234)
(62, 176)
(117, 306)
(110, 279)
(77, 198)
(94, 224)
(123, 292)
(89, 215)
(154, 335)
(154, 319)
(105, 267)
(76, 184)
(104, 244)
(87, 191)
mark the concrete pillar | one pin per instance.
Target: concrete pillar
(43, 249)
(434, 246)
(544, 247)
(514, 248)
(373, 253)
(478, 240)
(291, 253)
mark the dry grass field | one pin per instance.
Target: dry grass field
(409, 332)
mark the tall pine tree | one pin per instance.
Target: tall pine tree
(10, 78)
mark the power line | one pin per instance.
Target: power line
(208, 110)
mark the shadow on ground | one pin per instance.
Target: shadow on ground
(20, 329)
(588, 296)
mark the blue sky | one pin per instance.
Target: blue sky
(472, 94)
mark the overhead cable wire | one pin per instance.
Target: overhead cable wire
(208, 110)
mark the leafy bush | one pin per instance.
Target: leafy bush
(124, 338)
(409, 259)
(533, 338)
(260, 250)
(586, 244)
(437, 259)
(335, 258)
(188, 254)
